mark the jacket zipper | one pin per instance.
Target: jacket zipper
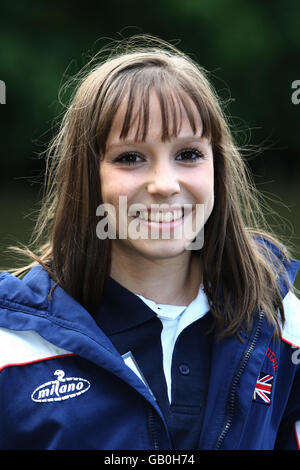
(234, 384)
(152, 430)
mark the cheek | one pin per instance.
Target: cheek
(107, 184)
(210, 193)
(114, 185)
(203, 192)
(203, 187)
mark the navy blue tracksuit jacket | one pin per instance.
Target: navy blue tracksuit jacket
(64, 385)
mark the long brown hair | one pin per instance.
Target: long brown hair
(235, 262)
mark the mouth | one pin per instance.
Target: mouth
(161, 219)
(160, 216)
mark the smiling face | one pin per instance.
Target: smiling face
(168, 184)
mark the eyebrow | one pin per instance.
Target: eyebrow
(140, 142)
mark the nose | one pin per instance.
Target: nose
(163, 181)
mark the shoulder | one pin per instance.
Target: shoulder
(283, 265)
(25, 347)
(30, 291)
(20, 299)
(285, 269)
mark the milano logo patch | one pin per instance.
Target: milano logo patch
(60, 389)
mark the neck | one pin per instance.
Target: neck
(173, 281)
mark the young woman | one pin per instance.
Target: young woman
(157, 313)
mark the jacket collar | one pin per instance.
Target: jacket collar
(121, 309)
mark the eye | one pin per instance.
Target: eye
(189, 155)
(129, 158)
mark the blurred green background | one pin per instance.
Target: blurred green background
(251, 49)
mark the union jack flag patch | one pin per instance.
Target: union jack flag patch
(263, 388)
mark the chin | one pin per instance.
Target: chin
(160, 249)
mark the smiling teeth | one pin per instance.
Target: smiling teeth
(162, 216)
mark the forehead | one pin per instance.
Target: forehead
(157, 117)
